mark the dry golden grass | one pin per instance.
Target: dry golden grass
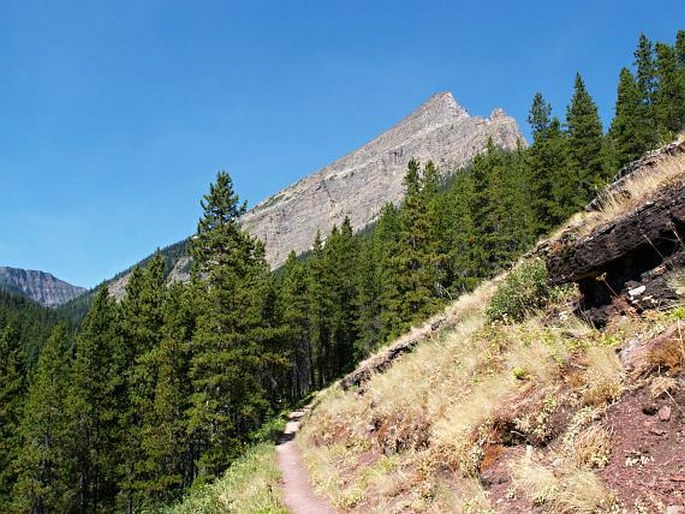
(564, 489)
(603, 376)
(429, 416)
(415, 438)
(634, 191)
(592, 447)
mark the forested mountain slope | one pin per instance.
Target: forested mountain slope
(557, 387)
(159, 393)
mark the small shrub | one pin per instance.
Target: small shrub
(525, 289)
(520, 373)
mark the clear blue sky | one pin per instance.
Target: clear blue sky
(116, 115)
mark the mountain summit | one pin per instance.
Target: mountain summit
(360, 183)
(39, 286)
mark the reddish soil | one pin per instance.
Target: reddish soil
(647, 466)
(298, 494)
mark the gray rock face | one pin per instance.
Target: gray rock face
(39, 286)
(361, 183)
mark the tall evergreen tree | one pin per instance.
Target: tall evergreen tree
(585, 143)
(552, 186)
(142, 323)
(227, 366)
(341, 257)
(415, 267)
(321, 305)
(296, 316)
(44, 484)
(96, 403)
(628, 131)
(646, 81)
(669, 96)
(168, 453)
(12, 392)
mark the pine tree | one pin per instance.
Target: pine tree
(44, 484)
(377, 290)
(96, 403)
(552, 187)
(170, 459)
(227, 367)
(669, 95)
(415, 269)
(628, 130)
(341, 256)
(646, 83)
(321, 305)
(461, 235)
(585, 143)
(142, 323)
(12, 391)
(296, 316)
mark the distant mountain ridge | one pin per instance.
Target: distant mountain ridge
(359, 184)
(39, 286)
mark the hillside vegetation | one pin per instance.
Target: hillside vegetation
(520, 404)
(158, 394)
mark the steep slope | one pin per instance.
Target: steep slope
(520, 397)
(39, 286)
(360, 183)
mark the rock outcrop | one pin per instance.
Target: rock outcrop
(39, 286)
(359, 184)
(632, 260)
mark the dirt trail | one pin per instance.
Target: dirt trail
(298, 494)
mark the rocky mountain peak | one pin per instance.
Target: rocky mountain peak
(39, 286)
(360, 183)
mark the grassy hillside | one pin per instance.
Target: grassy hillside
(520, 404)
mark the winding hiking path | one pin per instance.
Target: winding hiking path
(298, 494)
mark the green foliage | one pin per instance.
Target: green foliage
(251, 485)
(584, 130)
(46, 432)
(161, 393)
(524, 290)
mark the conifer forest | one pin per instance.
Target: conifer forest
(147, 398)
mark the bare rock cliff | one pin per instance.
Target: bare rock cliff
(360, 183)
(39, 286)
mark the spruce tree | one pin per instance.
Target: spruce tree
(584, 130)
(645, 78)
(169, 458)
(142, 323)
(46, 432)
(96, 403)
(341, 256)
(296, 317)
(415, 268)
(628, 131)
(227, 366)
(461, 233)
(12, 397)
(669, 95)
(321, 305)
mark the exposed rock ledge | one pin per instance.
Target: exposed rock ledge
(629, 261)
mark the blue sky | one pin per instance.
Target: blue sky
(116, 115)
